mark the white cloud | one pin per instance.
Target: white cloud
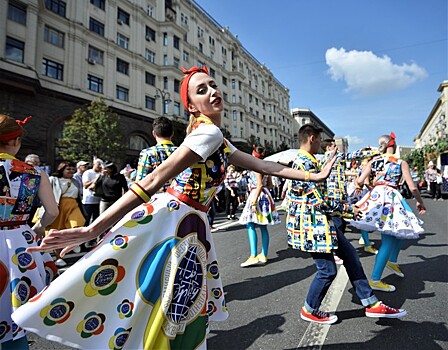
(368, 74)
(354, 140)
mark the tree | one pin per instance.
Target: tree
(94, 132)
(283, 147)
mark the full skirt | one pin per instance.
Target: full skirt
(265, 213)
(22, 276)
(152, 283)
(385, 210)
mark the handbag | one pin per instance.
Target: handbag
(439, 179)
(98, 191)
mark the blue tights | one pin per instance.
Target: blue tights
(389, 250)
(365, 237)
(252, 234)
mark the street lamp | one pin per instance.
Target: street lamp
(165, 95)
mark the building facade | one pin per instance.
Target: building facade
(435, 127)
(57, 56)
(304, 116)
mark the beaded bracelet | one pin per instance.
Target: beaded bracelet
(140, 192)
(307, 175)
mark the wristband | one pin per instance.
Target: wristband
(140, 192)
(307, 175)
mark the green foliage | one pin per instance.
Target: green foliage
(283, 147)
(269, 148)
(94, 132)
(420, 156)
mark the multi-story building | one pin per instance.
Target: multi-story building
(58, 55)
(342, 143)
(435, 127)
(304, 116)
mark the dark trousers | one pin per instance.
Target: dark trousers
(231, 201)
(436, 192)
(327, 270)
(92, 211)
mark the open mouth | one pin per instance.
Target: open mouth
(216, 101)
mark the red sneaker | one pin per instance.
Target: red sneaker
(382, 310)
(318, 316)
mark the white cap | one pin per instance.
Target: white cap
(81, 163)
(430, 163)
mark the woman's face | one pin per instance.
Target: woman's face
(204, 96)
(68, 172)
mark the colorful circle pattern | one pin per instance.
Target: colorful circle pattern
(57, 312)
(92, 324)
(103, 279)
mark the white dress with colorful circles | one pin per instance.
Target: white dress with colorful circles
(22, 274)
(154, 281)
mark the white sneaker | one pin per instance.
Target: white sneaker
(90, 244)
(77, 249)
(60, 263)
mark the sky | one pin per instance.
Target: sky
(364, 67)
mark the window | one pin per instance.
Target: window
(150, 11)
(95, 55)
(176, 62)
(251, 124)
(122, 93)
(95, 84)
(165, 60)
(150, 34)
(122, 17)
(235, 115)
(201, 47)
(165, 39)
(137, 142)
(241, 116)
(150, 79)
(200, 32)
(211, 41)
(150, 103)
(17, 13)
(14, 49)
(122, 41)
(224, 81)
(233, 84)
(184, 19)
(165, 83)
(96, 27)
(56, 6)
(224, 96)
(166, 104)
(176, 42)
(54, 36)
(233, 99)
(122, 66)
(212, 73)
(176, 107)
(176, 85)
(101, 4)
(52, 69)
(150, 56)
(186, 56)
(241, 132)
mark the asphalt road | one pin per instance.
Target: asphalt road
(264, 301)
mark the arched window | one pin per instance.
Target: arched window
(137, 142)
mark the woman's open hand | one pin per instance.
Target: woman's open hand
(66, 239)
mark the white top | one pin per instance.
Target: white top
(88, 196)
(205, 140)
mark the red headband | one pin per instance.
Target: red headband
(392, 140)
(17, 133)
(184, 87)
(256, 154)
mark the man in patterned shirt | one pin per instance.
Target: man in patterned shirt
(150, 158)
(311, 228)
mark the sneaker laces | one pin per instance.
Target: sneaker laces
(321, 314)
(389, 307)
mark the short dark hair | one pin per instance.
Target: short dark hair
(163, 127)
(61, 167)
(306, 131)
(327, 142)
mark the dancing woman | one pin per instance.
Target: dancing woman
(258, 211)
(22, 274)
(154, 280)
(385, 210)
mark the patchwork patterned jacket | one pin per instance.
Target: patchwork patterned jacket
(337, 181)
(150, 158)
(308, 218)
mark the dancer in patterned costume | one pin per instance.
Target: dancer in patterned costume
(385, 210)
(311, 228)
(258, 211)
(22, 274)
(150, 158)
(154, 280)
